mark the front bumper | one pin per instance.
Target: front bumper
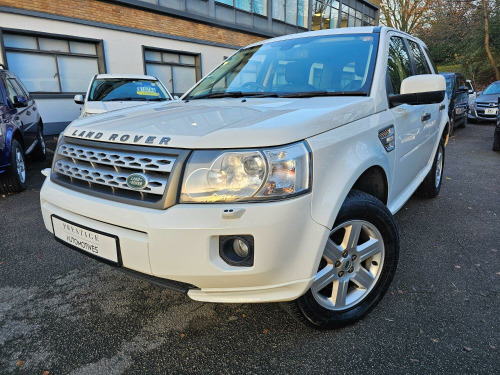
(476, 114)
(181, 243)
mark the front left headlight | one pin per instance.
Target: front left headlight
(247, 175)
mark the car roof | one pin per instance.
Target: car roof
(126, 76)
(336, 31)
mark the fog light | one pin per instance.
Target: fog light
(237, 250)
(240, 248)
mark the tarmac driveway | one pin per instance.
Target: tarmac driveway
(62, 313)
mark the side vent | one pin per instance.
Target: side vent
(387, 138)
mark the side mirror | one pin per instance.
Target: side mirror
(479, 93)
(79, 99)
(20, 101)
(421, 89)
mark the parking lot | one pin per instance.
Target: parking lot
(66, 314)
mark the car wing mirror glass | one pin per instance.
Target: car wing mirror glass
(20, 101)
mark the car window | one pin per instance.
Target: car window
(108, 89)
(2, 98)
(19, 90)
(429, 57)
(398, 65)
(494, 88)
(421, 66)
(450, 84)
(11, 91)
(23, 88)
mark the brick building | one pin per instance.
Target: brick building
(56, 46)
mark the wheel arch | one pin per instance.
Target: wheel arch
(371, 177)
(374, 181)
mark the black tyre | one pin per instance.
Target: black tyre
(452, 125)
(39, 153)
(431, 185)
(357, 267)
(463, 124)
(14, 179)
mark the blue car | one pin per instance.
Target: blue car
(21, 132)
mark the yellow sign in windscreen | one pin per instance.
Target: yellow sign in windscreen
(148, 91)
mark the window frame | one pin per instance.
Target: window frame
(196, 65)
(99, 56)
(410, 58)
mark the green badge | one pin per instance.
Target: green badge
(137, 181)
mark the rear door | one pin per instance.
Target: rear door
(409, 121)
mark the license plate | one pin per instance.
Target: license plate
(86, 240)
(491, 111)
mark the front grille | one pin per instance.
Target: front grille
(486, 105)
(102, 169)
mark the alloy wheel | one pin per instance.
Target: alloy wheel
(439, 166)
(350, 267)
(21, 168)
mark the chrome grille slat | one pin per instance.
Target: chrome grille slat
(102, 170)
(118, 158)
(105, 175)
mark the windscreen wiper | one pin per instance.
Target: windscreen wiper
(310, 94)
(122, 99)
(236, 94)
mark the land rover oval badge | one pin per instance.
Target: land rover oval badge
(137, 181)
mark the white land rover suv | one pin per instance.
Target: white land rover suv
(276, 177)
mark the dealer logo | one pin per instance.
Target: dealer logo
(137, 181)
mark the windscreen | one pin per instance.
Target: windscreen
(331, 63)
(119, 89)
(450, 83)
(492, 89)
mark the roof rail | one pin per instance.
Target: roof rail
(3, 66)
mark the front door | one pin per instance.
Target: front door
(410, 121)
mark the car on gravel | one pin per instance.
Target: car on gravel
(274, 179)
(109, 92)
(458, 95)
(485, 107)
(21, 132)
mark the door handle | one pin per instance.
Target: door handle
(442, 107)
(28, 113)
(426, 117)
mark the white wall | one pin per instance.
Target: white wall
(122, 50)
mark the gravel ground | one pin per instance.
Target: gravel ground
(64, 313)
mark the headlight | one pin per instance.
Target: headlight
(244, 175)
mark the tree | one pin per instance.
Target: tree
(487, 39)
(405, 15)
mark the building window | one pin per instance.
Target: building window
(293, 12)
(178, 71)
(53, 64)
(251, 6)
(325, 14)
